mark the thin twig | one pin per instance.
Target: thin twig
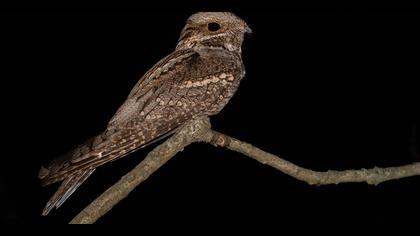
(372, 176)
(199, 131)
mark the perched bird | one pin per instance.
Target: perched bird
(197, 79)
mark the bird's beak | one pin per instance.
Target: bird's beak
(248, 30)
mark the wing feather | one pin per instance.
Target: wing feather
(158, 104)
(66, 189)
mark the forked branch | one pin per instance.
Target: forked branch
(200, 131)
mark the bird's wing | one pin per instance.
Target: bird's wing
(178, 88)
(129, 128)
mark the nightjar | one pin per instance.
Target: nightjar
(197, 79)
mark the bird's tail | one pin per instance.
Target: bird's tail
(66, 189)
(76, 166)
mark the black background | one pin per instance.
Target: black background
(324, 90)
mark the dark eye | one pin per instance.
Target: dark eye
(213, 26)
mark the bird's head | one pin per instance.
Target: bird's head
(213, 29)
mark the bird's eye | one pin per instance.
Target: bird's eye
(213, 26)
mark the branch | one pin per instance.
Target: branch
(199, 131)
(153, 161)
(372, 176)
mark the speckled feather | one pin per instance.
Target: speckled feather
(197, 79)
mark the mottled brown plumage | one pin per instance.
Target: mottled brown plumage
(197, 79)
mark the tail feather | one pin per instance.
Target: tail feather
(66, 189)
(76, 166)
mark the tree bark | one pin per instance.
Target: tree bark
(199, 130)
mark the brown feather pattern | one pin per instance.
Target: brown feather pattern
(197, 79)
